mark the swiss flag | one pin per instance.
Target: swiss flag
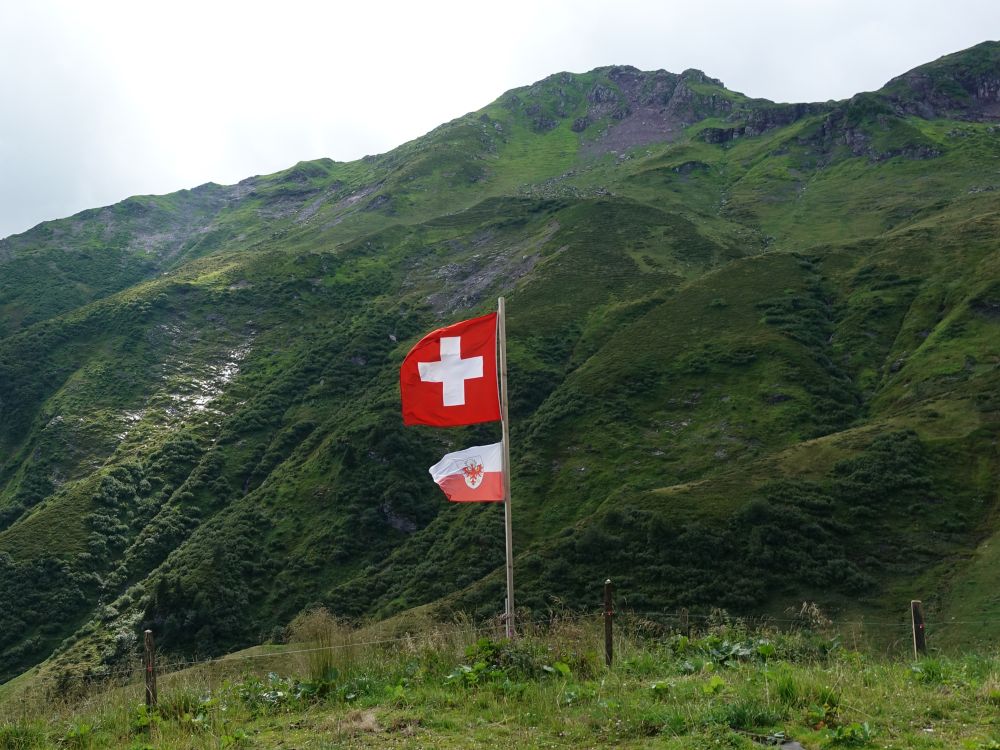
(450, 377)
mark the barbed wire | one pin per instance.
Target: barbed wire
(173, 667)
(724, 618)
(167, 668)
(458, 628)
(764, 619)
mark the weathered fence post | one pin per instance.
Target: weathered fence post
(609, 613)
(149, 663)
(685, 622)
(919, 636)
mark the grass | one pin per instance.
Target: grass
(726, 685)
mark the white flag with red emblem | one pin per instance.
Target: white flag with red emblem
(474, 475)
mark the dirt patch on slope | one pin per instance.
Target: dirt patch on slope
(464, 283)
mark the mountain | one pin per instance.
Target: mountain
(754, 354)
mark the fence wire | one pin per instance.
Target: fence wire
(169, 667)
(132, 674)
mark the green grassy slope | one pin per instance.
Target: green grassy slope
(754, 359)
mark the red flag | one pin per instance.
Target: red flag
(450, 377)
(474, 475)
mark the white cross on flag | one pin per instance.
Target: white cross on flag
(450, 377)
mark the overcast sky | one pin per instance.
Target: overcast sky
(102, 100)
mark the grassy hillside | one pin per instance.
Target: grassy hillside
(754, 360)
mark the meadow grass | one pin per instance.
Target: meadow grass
(726, 685)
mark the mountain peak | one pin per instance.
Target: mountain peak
(619, 107)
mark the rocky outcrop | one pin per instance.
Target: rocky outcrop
(649, 107)
(658, 106)
(962, 86)
(620, 107)
(719, 135)
(760, 119)
(865, 126)
(767, 117)
(975, 98)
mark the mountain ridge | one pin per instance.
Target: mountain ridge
(780, 318)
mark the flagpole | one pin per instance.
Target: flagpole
(505, 420)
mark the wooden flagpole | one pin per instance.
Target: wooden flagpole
(505, 420)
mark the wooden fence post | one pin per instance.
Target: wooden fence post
(919, 636)
(685, 622)
(149, 663)
(609, 613)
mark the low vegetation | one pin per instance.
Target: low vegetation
(726, 684)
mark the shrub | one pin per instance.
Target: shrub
(80, 736)
(179, 703)
(328, 641)
(20, 736)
